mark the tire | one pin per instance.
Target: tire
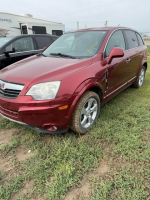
(86, 112)
(140, 79)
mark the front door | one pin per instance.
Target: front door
(118, 72)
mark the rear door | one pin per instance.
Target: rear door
(24, 47)
(134, 50)
(118, 72)
(141, 47)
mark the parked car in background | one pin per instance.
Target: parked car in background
(15, 48)
(65, 86)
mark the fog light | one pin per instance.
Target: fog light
(49, 127)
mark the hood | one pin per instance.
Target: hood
(37, 69)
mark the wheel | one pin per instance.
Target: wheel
(140, 79)
(86, 112)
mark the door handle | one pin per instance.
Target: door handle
(128, 60)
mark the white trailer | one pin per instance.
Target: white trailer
(11, 24)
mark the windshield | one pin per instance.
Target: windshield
(78, 44)
(4, 40)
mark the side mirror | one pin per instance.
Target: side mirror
(116, 52)
(9, 50)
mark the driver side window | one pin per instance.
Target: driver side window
(23, 44)
(116, 40)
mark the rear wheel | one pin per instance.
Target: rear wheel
(86, 112)
(140, 79)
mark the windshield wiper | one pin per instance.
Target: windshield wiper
(41, 54)
(63, 55)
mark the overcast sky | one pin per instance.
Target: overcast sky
(89, 13)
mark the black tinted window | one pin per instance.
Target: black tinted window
(24, 30)
(57, 32)
(54, 38)
(43, 41)
(39, 29)
(140, 39)
(131, 39)
(116, 40)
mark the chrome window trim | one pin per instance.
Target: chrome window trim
(111, 35)
(141, 38)
(120, 87)
(24, 51)
(20, 52)
(11, 86)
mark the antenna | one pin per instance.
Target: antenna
(106, 24)
(77, 25)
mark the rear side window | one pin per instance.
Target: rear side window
(131, 39)
(54, 38)
(43, 41)
(140, 40)
(116, 40)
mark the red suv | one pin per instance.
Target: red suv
(65, 85)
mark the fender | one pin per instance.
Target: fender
(144, 61)
(86, 85)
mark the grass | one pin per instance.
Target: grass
(148, 48)
(120, 139)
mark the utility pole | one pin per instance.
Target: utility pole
(106, 24)
(77, 25)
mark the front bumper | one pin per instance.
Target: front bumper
(34, 128)
(42, 116)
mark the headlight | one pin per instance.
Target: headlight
(44, 91)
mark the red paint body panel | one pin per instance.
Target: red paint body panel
(76, 76)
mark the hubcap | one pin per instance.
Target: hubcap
(88, 113)
(141, 77)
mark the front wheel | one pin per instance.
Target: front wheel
(140, 79)
(86, 112)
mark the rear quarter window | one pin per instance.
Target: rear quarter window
(141, 43)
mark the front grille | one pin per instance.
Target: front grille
(10, 90)
(9, 93)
